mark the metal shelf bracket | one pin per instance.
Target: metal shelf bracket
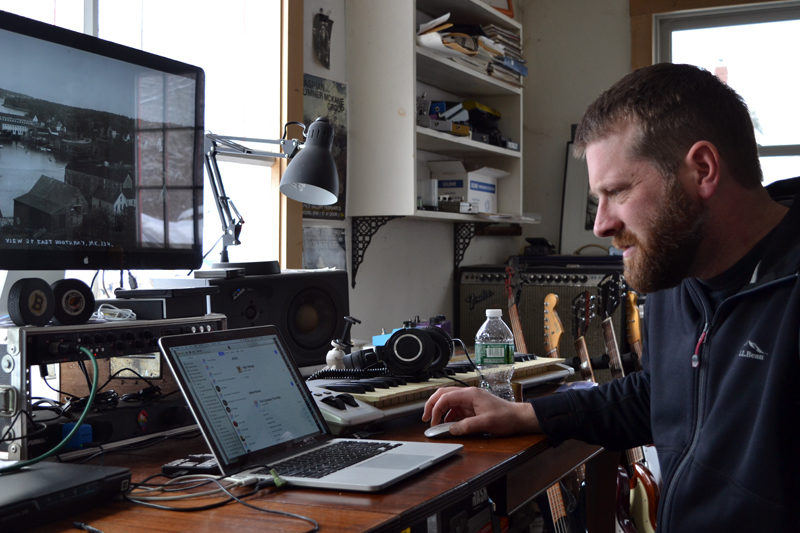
(363, 228)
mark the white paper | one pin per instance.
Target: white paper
(432, 24)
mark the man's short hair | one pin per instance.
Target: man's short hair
(674, 107)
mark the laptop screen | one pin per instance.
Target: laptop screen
(245, 391)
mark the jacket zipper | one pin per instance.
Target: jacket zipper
(696, 360)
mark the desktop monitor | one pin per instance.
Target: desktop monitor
(101, 153)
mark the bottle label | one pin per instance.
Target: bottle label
(501, 353)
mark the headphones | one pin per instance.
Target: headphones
(408, 352)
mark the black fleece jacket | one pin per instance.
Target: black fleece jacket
(726, 428)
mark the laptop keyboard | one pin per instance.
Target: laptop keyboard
(332, 458)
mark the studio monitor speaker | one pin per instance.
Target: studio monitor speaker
(308, 307)
(483, 287)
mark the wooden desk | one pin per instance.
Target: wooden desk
(511, 469)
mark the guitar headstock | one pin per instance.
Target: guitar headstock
(632, 314)
(513, 282)
(584, 309)
(609, 291)
(552, 324)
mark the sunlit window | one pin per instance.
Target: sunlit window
(237, 43)
(754, 50)
(64, 13)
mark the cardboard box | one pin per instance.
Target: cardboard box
(476, 186)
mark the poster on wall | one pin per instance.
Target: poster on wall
(324, 247)
(325, 39)
(327, 98)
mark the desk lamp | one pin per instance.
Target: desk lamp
(310, 175)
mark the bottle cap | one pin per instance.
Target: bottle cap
(494, 313)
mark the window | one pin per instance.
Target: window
(753, 49)
(238, 43)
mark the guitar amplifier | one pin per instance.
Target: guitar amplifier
(483, 287)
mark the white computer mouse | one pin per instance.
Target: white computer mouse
(440, 430)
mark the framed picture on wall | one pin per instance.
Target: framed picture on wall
(578, 211)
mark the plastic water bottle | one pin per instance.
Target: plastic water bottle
(494, 355)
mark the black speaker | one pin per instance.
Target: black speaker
(483, 287)
(308, 307)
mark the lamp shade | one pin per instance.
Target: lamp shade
(311, 175)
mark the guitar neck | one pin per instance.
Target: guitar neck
(635, 455)
(586, 364)
(614, 359)
(558, 511)
(516, 328)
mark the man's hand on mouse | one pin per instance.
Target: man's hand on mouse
(478, 411)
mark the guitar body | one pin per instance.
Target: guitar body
(638, 510)
(644, 494)
(624, 523)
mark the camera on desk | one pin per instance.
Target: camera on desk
(417, 349)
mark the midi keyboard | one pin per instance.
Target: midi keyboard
(348, 404)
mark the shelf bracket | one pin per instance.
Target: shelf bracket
(463, 232)
(363, 228)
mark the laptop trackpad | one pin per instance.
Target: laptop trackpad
(394, 461)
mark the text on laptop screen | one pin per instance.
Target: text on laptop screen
(248, 395)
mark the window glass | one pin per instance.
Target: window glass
(780, 168)
(748, 57)
(65, 13)
(237, 43)
(751, 48)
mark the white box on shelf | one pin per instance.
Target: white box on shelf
(476, 186)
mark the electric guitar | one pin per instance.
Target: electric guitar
(634, 326)
(552, 337)
(637, 490)
(552, 326)
(583, 310)
(555, 500)
(513, 289)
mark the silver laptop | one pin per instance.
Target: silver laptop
(256, 414)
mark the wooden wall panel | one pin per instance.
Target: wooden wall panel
(642, 11)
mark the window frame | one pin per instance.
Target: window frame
(653, 22)
(290, 219)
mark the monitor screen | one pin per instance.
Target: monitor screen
(101, 153)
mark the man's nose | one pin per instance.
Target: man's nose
(606, 223)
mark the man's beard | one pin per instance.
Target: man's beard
(672, 240)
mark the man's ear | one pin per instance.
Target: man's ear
(703, 162)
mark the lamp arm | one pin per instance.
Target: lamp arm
(230, 227)
(229, 216)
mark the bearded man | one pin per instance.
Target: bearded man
(673, 162)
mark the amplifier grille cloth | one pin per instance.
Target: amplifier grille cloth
(483, 289)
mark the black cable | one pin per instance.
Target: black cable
(96, 272)
(115, 374)
(8, 429)
(85, 373)
(453, 378)
(20, 464)
(466, 353)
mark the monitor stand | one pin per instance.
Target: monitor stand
(9, 277)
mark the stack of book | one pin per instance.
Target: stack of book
(488, 48)
(510, 66)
